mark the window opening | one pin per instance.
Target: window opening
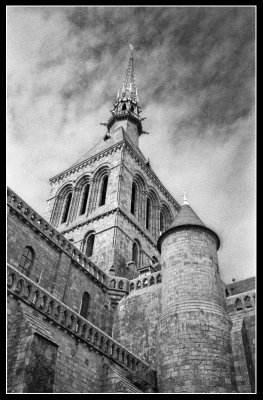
(135, 254)
(66, 208)
(148, 213)
(103, 190)
(27, 259)
(90, 245)
(85, 305)
(84, 200)
(133, 198)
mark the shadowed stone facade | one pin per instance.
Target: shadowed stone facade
(118, 289)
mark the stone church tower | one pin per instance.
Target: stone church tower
(110, 203)
(119, 290)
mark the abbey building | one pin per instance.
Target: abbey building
(117, 288)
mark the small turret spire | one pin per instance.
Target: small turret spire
(185, 199)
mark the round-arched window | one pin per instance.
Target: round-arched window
(89, 244)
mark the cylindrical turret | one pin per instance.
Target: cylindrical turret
(194, 329)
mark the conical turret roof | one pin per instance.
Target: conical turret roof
(186, 217)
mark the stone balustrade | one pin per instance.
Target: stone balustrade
(120, 283)
(44, 228)
(146, 281)
(58, 313)
(241, 301)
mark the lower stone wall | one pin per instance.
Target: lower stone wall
(18, 345)
(242, 353)
(243, 339)
(46, 359)
(40, 370)
(136, 321)
(116, 382)
(47, 354)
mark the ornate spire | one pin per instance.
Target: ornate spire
(129, 89)
(127, 98)
(126, 106)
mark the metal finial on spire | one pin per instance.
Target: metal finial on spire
(185, 199)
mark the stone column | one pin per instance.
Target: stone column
(142, 208)
(56, 212)
(74, 204)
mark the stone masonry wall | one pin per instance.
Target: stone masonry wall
(77, 368)
(103, 244)
(53, 349)
(40, 371)
(136, 322)
(59, 273)
(125, 237)
(115, 381)
(243, 339)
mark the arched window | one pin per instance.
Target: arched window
(113, 283)
(89, 244)
(148, 213)
(248, 302)
(239, 305)
(136, 254)
(124, 107)
(132, 108)
(120, 285)
(84, 199)
(27, 260)
(66, 208)
(152, 280)
(104, 184)
(133, 198)
(84, 309)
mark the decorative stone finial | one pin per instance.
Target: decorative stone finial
(185, 199)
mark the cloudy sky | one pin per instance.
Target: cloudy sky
(194, 68)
